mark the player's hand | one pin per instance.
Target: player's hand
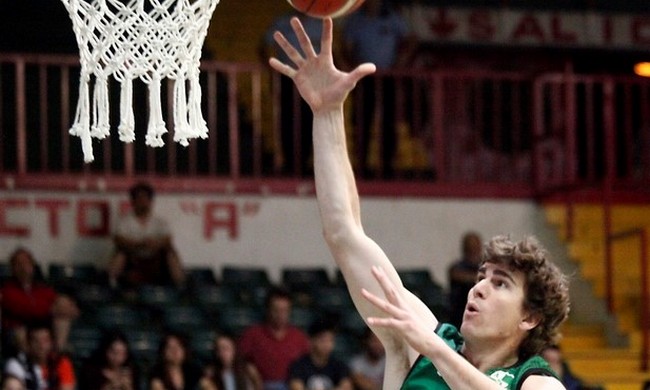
(400, 317)
(320, 83)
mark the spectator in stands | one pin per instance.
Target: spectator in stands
(174, 368)
(318, 369)
(26, 298)
(144, 252)
(40, 367)
(292, 123)
(367, 367)
(553, 355)
(228, 370)
(377, 33)
(12, 383)
(514, 310)
(462, 276)
(273, 345)
(111, 366)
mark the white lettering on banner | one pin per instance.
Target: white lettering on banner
(507, 26)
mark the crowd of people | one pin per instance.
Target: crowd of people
(271, 355)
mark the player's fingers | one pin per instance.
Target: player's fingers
(381, 304)
(389, 288)
(326, 37)
(383, 322)
(282, 67)
(288, 48)
(303, 38)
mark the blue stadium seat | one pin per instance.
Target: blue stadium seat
(215, 297)
(144, 345)
(202, 344)
(352, 323)
(333, 299)
(91, 296)
(244, 276)
(303, 317)
(5, 271)
(304, 278)
(200, 275)
(414, 278)
(63, 275)
(158, 296)
(84, 340)
(235, 319)
(184, 318)
(253, 296)
(346, 346)
(122, 317)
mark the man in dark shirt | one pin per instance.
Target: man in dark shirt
(318, 369)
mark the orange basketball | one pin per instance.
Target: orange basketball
(325, 8)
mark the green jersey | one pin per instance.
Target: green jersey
(425, 376)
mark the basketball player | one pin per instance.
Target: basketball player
(513, 311)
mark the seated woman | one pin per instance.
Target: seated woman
(228, 370)
(174, 368)
(111, 366)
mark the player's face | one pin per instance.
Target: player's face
(494, 311)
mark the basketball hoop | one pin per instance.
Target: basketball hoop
(146, 39)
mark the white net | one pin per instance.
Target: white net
(146, 39)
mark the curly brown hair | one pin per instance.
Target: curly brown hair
(546, 290)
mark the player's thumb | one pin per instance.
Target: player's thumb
(362, 71)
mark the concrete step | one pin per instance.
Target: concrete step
(614, 379)
(624, 385)
(582, 337)
(590, 366)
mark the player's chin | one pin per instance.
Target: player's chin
(468, 324)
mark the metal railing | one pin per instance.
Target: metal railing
(441, 129)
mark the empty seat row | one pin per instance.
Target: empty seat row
(190, 315)
(291, 277)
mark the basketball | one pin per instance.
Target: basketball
(325, 8)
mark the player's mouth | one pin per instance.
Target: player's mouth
(471, 308)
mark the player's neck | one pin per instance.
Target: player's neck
(485, 356)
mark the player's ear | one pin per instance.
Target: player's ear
(530, 321)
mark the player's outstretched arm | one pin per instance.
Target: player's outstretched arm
(325, 88)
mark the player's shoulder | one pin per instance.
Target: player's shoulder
(541, 382)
